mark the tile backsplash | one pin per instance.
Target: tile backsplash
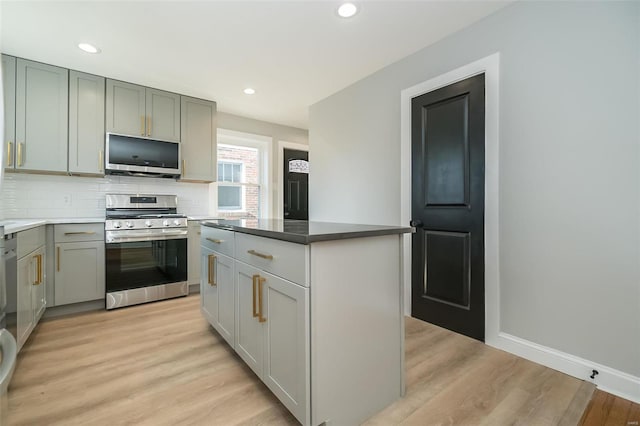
(43, 196)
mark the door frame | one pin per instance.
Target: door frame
(280, 192)
(490, 66)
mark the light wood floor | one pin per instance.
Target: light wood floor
(610, 410)
(161, 364)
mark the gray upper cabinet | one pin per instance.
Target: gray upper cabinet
(126, 108)
(141, 111)
(199, 140)
(163, 115)
(9, 84)
(42, 99)
(86, 123)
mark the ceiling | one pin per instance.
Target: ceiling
(292, 53)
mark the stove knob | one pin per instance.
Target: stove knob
(176, 222)
(165, 223)
(129, 224)
(116, 225)
(147, 224)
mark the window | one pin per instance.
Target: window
(229, 197)
(242, 175)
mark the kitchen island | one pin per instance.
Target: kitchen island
(313, 308)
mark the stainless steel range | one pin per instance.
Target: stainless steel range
(146, 249)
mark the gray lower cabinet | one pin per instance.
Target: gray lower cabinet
(79, 263)
(42, 93)
(264, 317)
(218, 292)
(141, 111)
(86, 123)
(208, 289)
(198, 139)
(31, 282)
(193, 250)
(9, 93)
(272, 317)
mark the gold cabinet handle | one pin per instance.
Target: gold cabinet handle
(261, 318)
(214, 240)
(142, 125)
(184, 167)
(80, 233)
(39, 269)
(100, 161)
(255, 285)
(211, 277)
(149, 126)
(9, 154)
(38, 280)
(262, 255)
(20, 162)
(58, 258)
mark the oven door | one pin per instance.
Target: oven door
(133, 262)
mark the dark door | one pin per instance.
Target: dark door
(296, 184)
(447, 144)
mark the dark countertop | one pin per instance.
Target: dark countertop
(304, 232)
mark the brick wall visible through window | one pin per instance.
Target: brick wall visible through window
(238, 181)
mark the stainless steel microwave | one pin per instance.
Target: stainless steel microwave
(136, 156)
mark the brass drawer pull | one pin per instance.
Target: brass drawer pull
(261, 318)
(212, 273)
(80, 233)
(255, 285)
(213, 240)
(149, 126)
(38, 280)
(262, 255)
(9, 152)
(20, 162)
(142, 125)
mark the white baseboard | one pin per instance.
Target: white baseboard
(608, 379)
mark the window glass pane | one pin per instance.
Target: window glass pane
(244, 163)
(220, 172)
(229, 197)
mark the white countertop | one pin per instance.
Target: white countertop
(204, 218)
(17, 225)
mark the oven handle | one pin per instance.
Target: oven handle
(132, 238)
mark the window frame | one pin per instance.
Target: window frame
(242, 207)
(263, 145)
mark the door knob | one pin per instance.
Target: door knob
(416, 223)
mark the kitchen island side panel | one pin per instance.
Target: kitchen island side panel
(357, 340)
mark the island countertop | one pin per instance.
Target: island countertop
(305, 232)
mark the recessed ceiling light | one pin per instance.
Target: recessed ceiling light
(89, 48)
(249, 91)
(347, 10)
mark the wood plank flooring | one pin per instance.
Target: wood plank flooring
(161, 364)
(610, 410)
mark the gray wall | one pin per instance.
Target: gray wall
(569, 166)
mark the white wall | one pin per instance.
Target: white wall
(569, 166)
(42, 196)
(277, 133)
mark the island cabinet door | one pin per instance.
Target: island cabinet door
(224, 279)
(283, 308)
(249, 330)
(208, 288)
